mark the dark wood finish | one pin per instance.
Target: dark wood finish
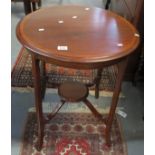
(72, 91)
(134, 60)
(95, 39)
(132, 10)
(139, 11)
(55, 111)
(107, 4)
(30, 5)
(43, 78)
(34, 6)
(121, 70)
(97, 81)
(27, 6)
(39, 3)
(92, 109)
(38, 100)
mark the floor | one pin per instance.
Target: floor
(22, 101)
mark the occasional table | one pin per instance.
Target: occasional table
(77, 37)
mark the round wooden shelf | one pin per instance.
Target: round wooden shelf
(73, 91)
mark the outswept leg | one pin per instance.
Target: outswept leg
(121, 70)
(38, 101)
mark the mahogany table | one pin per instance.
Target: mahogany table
(77, 37)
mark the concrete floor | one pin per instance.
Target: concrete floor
(133, 125)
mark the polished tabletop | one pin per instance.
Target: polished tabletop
(73, 33)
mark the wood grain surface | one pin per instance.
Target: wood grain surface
(91, 35)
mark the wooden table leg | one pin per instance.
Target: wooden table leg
(43, 78)
(92, 109)
(39, 3)
(107, 4)
(121, 70)
(55, 111)
(38, 101)
(27, 6)
(97, 82)
(34, 6)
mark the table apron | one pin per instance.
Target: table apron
(77, 65)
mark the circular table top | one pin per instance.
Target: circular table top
(77, 34)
